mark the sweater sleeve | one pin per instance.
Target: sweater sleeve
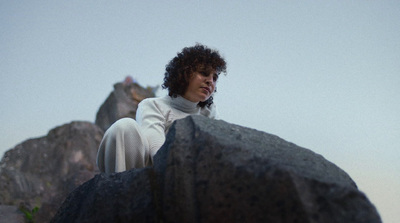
(152, 122)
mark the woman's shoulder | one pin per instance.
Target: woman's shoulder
(156, 101)
(154, 107)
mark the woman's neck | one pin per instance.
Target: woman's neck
(184, 105)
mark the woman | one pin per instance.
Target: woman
(190, 78)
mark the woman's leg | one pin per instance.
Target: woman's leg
(123, 147)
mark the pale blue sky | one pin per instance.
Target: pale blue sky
(324, 75)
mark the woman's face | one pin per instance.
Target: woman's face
(201, 86)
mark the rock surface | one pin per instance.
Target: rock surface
(122, 102)
(11, 214)
(41, 172)
(212, 171)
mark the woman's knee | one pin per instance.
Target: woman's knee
(123, 125)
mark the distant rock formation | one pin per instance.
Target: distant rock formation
(212, 171)
(122, 102)
(41, 172)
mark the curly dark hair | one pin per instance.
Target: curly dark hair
(180, 69)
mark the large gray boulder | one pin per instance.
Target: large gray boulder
(213, 171)
(41, 172)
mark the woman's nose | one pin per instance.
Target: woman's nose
(209, 79)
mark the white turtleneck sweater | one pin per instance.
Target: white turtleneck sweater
(156, 115)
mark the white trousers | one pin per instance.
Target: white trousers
(123, 147)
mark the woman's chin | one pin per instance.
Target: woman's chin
(205, 99)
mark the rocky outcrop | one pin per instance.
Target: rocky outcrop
(122, 102)
(212, 171)
(41, 172)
